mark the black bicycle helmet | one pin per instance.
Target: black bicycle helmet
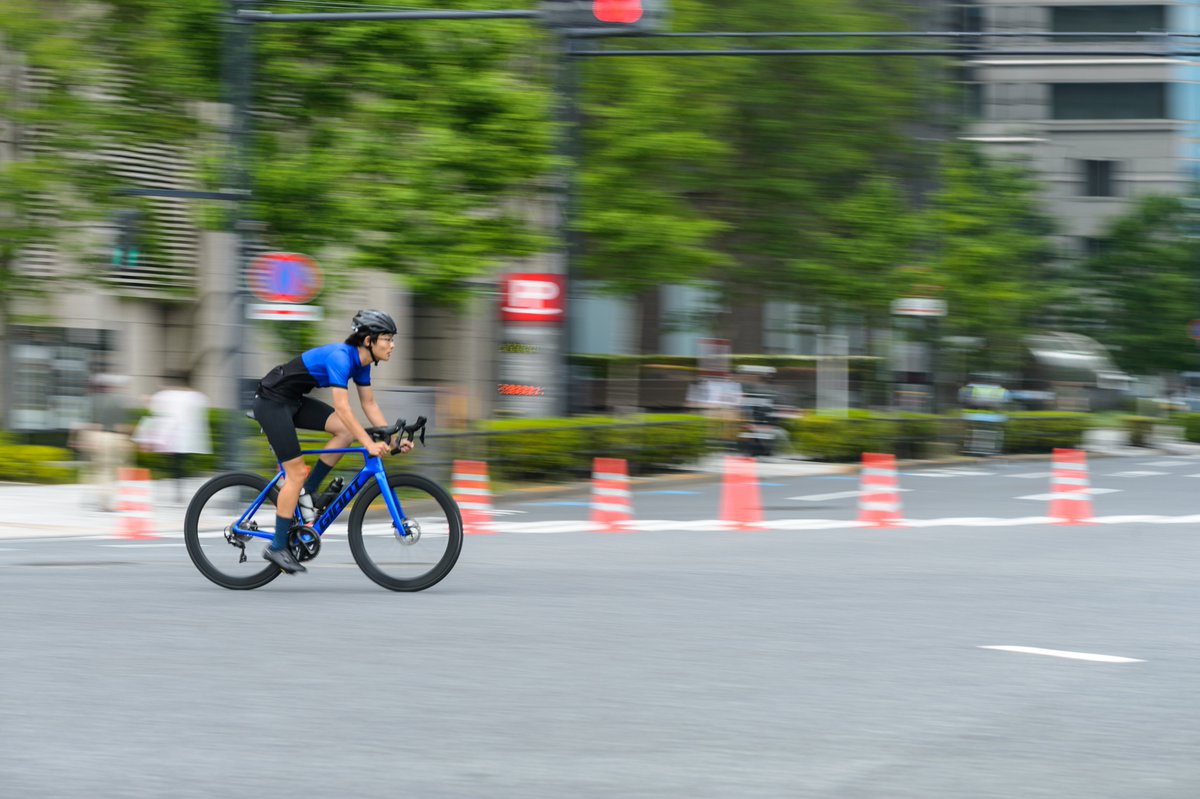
(374, 323)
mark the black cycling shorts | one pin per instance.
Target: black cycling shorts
(280, 420)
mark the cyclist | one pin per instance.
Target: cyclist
(280, 406)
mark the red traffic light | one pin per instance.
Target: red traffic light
(625, 12)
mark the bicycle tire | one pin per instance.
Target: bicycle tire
(191, 531)
(358, 548)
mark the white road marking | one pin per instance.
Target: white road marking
(1045, 497)
(1163, 464)
(1030, 475)
(949, 473)
(1058, 653)
(708, 525)
(978, 521)
(1137, 474)
(839, 495)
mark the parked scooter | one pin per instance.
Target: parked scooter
(762, 432)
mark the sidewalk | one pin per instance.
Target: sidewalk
(60, 511)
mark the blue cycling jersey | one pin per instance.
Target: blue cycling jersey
(331, 365)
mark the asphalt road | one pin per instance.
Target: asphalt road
(841, 662)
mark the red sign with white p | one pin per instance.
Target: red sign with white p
(533, 298)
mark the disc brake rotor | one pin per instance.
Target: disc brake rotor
(411, 534)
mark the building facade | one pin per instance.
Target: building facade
(1098, 128)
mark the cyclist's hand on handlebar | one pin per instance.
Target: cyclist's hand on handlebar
(377, 449)
(403, 445)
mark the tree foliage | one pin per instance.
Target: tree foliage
(1144, 287)
(733, 168)
(426, 149)
(417, 145)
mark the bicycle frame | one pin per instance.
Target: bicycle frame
(371, 470)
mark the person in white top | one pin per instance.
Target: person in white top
(180, 426)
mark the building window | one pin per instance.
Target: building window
(1099, 178)
(54, 365)
(1092, 246)
(1108, 100)
(1107, 19)
(972, 100)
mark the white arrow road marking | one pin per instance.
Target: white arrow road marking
(1137, 474)
(1044, 497)
(840, 495)
(1058, 653)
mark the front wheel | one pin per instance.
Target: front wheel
(212, 545)
(417, 557)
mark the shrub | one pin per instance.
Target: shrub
(1191, 426)
(1139, 428)
(1042, 431)
(27, 463)
(564, 448)
(837, 438)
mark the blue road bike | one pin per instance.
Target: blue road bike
(405, 531)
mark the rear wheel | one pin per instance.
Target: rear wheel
(208, 531)
(431, 540)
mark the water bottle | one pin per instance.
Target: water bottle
(307, 512)
(328, 495)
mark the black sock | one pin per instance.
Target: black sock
(319, 471)
(282, 527)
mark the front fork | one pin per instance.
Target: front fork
(399, 523)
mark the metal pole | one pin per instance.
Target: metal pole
(239, 82)
(569, 146)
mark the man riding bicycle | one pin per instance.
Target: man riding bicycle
(281, 406)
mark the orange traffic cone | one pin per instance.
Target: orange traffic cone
(469, 485)
(133, 503)
(1072, 502)
(612, 504)
(878, 497)
(740, 504)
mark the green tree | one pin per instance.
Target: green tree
(49, 186)
(422, 145)
(747, 171)
(991, 248)
(418, 145)
(1143, 287)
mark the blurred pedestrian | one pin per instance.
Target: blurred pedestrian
(177, 427)
(104, 441)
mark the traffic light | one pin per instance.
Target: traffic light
(615, 16)
(127, 246)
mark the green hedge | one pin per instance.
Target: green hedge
(602, 366)
(1191, 425)
(1042, 431)
(1139, 428)
(563, 448)
(830, 437)
(27, 463)
(909, 435)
